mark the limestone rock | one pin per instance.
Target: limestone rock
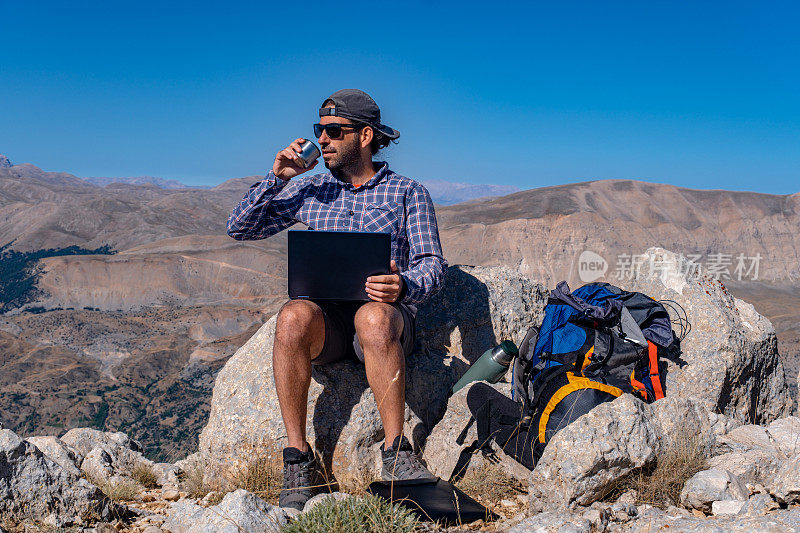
(239, 512)
(103, 455)
(83, 440)
(167, 474)
(584, 461)
(754, 466)
(727, 507)
(712, 485)
(786, 485)
(31, 484)
(785, 433)
(320, 498)
(759, 505)
(97, 465)
(55, 449)
(731, 353)
(775, 522)
(553, 522)
(477, 308)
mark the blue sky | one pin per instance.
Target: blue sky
(696, 94)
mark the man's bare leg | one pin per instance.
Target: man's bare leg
(299, 337)
(379, 327)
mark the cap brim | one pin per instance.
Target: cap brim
(389, 132)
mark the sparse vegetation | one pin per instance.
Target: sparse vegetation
(367, 514)
(259, 470)
(661, 485)
(195, 481)
(488, 484)
(120, 489)
(143, 474)
(355, 481)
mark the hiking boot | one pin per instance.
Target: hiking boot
(299, 475)
(401, 464)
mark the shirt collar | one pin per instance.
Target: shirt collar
(380, 175)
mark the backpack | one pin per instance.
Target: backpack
(594, 344)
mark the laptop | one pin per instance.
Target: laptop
(334, 265)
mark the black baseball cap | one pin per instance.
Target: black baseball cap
(358, 106)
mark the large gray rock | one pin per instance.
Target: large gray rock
(712, 485)
(239, 512)
(83, 440)
(786, 485)
(104, 455)
(55, 449)
(787, 521)
(32, 485)
(553, 522)
(732, 351)
(585, 460)
(478, 308)
(754, 466)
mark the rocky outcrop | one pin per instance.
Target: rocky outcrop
(586, 460)
(239, 512)
(477, 309)
(32, 486)
(729, 364)
(106, 455)
(712, 486)
(55, 449)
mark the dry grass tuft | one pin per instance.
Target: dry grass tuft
(144, 475)
(661, 484)
(489, 484)
(121, 489)
(355, 481)
(259, 470)
(196, 481)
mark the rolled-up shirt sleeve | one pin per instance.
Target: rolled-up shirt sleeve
(426, 269)
(259, 215)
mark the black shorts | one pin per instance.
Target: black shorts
(341, 341)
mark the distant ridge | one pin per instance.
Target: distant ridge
(142, 180)
(4, 162)
(449, 193)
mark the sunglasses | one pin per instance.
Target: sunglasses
(333, 130)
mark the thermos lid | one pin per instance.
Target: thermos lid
(505, 352)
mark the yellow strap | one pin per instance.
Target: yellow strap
(575, 383)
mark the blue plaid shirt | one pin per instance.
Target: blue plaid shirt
(387, 202)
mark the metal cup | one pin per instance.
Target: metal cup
(308, 153)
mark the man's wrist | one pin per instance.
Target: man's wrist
(275, 179)
(403, 289)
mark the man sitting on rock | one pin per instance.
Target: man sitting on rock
(356, 195)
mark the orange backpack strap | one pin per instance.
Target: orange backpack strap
(655, 379)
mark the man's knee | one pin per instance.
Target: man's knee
(378, 322)
(299, 319)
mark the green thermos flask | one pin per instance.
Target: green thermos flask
(491, 366)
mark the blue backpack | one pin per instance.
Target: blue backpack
(593, 345)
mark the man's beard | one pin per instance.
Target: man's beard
(347, 159)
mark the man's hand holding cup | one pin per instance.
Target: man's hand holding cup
(288, 163)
